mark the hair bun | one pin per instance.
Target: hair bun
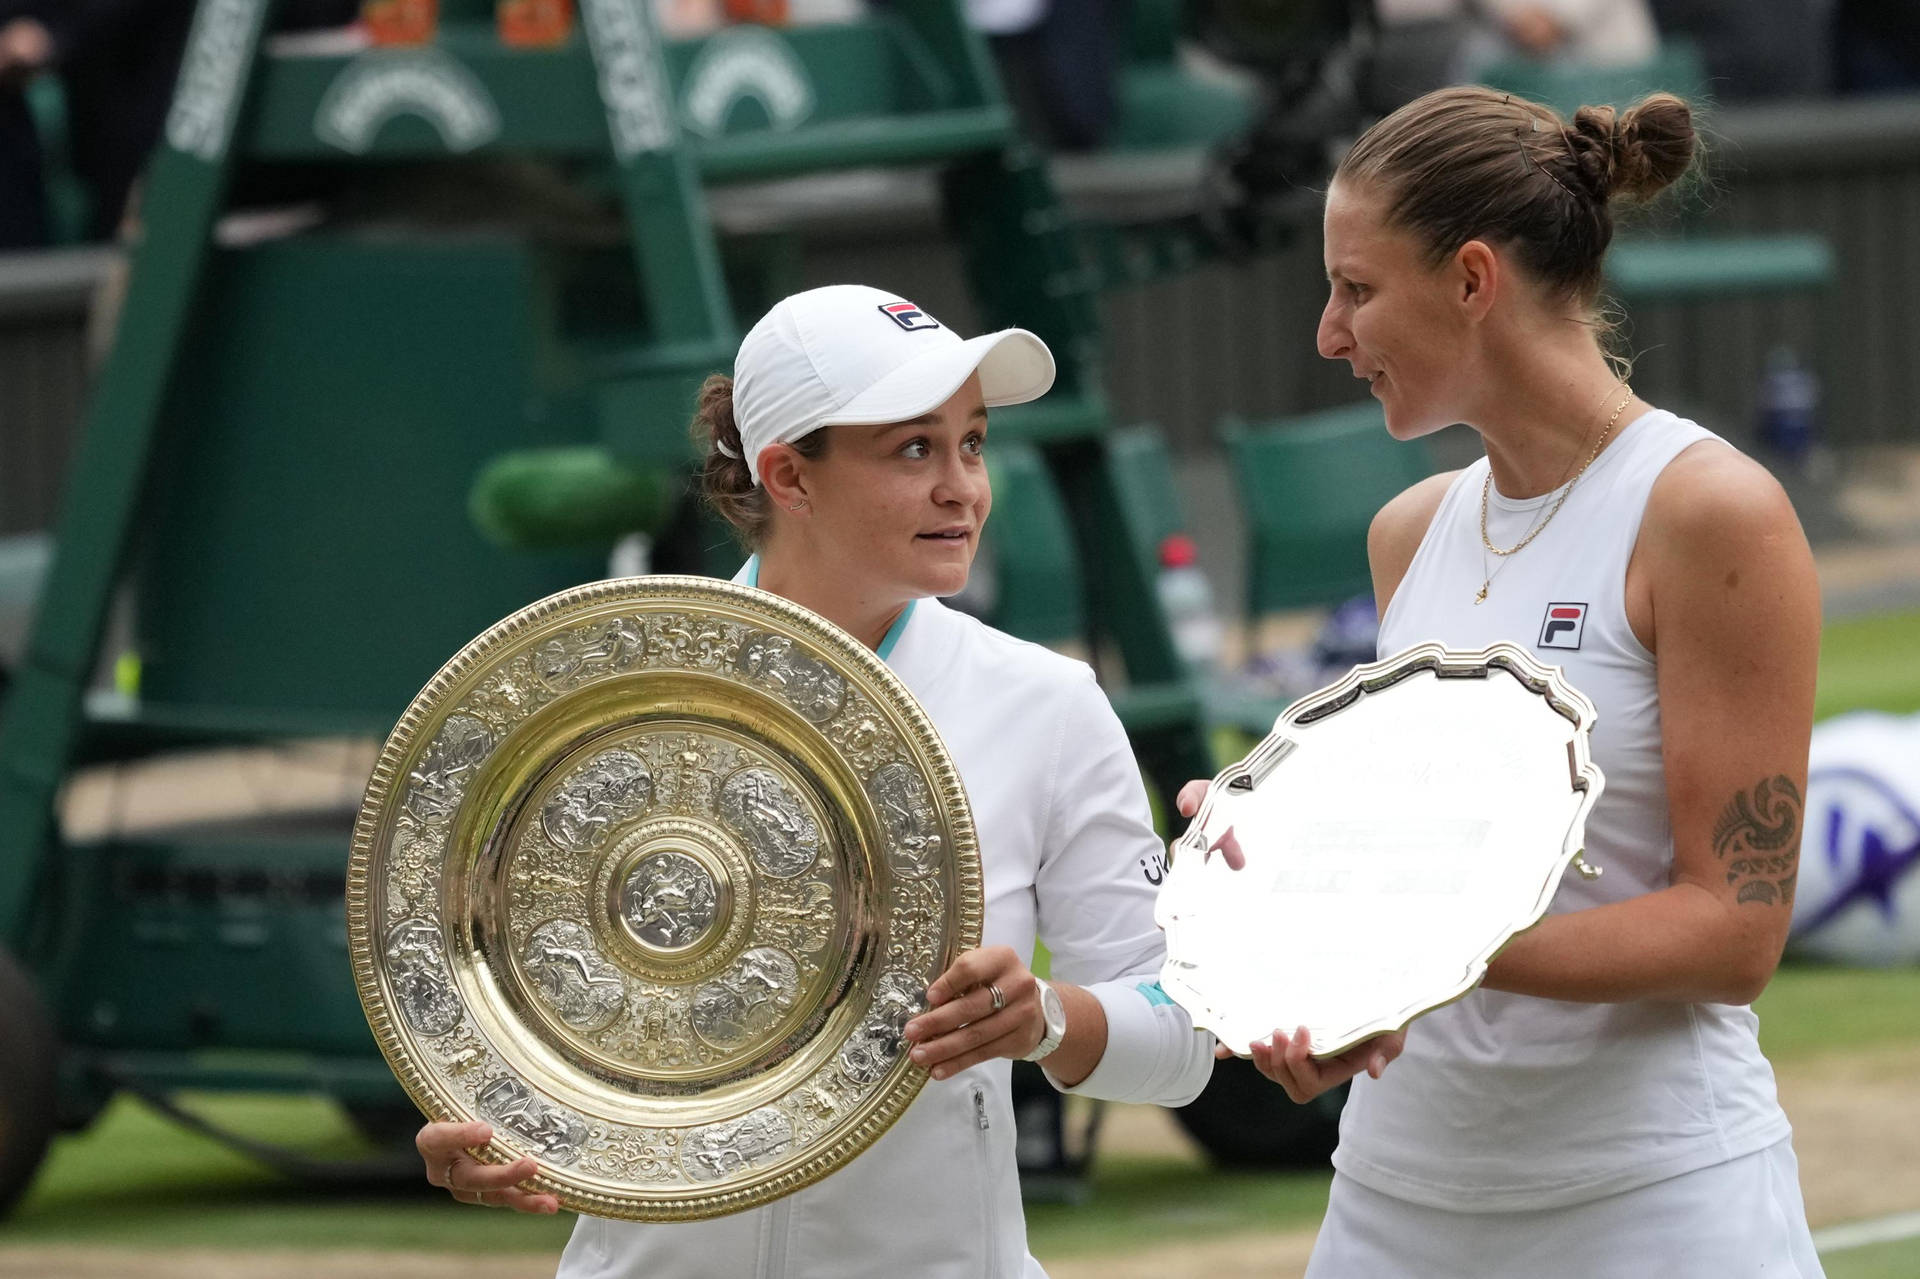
(724, 476)
(1637, 154)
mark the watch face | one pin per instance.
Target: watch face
(1053, 1010)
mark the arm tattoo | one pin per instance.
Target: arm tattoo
(1758, 836)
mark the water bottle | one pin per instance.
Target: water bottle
(1787, 420)
(1187, 600)
(631, 556)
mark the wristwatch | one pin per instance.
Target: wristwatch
(1055, 1013)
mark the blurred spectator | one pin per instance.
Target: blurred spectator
(116, 60)
(23, 194)
(1428, 44)
(1757, 48)
(1060, 60)
(1876, 46)
(685, 19)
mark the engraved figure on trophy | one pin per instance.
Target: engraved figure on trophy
(684, 766)
(635, 1154)
(610, 646)
(810, 687)
(913, 826)
(743, 1003)
(420, 979)
(678, 640)
(875, 1044)
(669, 900)
(917, 928)
(514, 1106)
(757, 804)
(656, 1033)
(867, 742)
(800, 917)
(572, 976)
(713, 1153)
(434, 787)
(611, 788)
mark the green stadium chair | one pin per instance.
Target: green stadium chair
(1030, 550)
(1309, 487)
(1162, 105)
(1032, 554)
(1143, 471)
(1653, 269)
(1566, 87)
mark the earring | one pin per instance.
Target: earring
(800, 505)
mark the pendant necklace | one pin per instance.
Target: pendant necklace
(1486, 491)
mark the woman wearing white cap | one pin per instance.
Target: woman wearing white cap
(866, 524)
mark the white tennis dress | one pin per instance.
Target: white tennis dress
(1525, 1136)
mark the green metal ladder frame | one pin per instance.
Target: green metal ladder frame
(607, 95)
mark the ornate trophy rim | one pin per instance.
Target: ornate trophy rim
(863, 671)
(1585, 782)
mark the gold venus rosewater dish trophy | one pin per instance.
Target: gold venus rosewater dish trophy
(650, 878)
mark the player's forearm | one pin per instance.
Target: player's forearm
(1681, 944)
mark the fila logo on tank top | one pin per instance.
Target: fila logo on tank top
(1505, 1102)
(1563, 626)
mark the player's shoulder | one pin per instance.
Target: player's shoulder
(1397, 529)
(1010, 661)
(1712, 493)
(1404, 520)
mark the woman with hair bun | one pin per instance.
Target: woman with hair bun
(1600, 1106)
(848, 450)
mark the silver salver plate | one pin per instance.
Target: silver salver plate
(1399, 827)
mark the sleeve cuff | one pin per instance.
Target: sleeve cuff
(1153, 1055)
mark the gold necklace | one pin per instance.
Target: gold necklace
(1486, 490)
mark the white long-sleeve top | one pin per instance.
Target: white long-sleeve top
(1069, 854)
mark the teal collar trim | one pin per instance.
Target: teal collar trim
(895, 631)
(751, 576)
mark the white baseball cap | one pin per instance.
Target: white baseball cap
(848, 355)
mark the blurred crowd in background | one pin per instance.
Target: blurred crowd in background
(84, 84)
(1752, 49)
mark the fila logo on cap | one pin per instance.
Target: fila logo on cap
(908, 316)
(1563, 626)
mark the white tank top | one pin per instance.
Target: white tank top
(1507, 1102)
